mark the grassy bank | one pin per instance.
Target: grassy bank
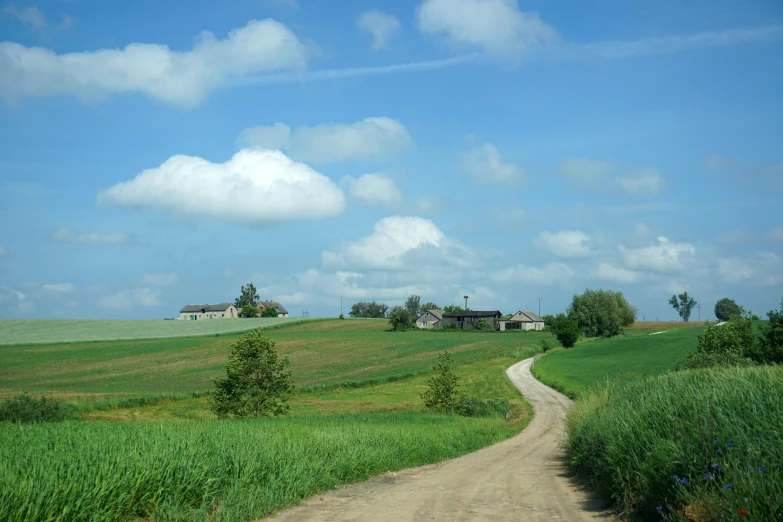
(695, 443)
(322, 354)
(217, 470)
(575, 370)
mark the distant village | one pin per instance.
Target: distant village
(199, 312)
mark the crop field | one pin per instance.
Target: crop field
(322, 354)
(216, 470)
(574, 370)
(38, 331)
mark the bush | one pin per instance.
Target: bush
(342, 316)
(770, 348)
(708, 360)
(27, 409)
(249, 311)
(725, 308)
(566, 330)
(601, 313)
(441, 394)
(735, 337)
(400, 319)
(475, 407)
(269, 312)
(482, 324)
(546, 345)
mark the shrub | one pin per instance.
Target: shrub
(771, 341)
(249, 311)
(27, 409)
(441, 394)
(482, 324)
(566, 330)
(475, 407)
(708, 360)
(269, 312)
(601, 313)
(256, 382)
(400, 319)
(546, 345)
(342, 316)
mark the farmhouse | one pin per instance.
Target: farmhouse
(522, 320)
(263, 305)
(469, 320)
(430, 319)
(208, 311)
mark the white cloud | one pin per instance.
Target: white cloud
(496, 27)
(759, 269)
(382, 26)
(61, 288)
(170, 279)
(547, 275)
(665, 257)
(3, 251)
(391, 240)
(254, 187)
(30, 15)
(66, 235)
(135, 297)
(15, 301)
(615, 274)
(596, 176)
(485, 165)
(373, 189)
(775, 235)
(181, 78)
(371, 138)
(565, 243)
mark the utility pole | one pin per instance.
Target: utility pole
(539, 307)
(341, 305)
(699, 307)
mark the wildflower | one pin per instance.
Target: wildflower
(713, 465)
(729, 485)
(659, 508)
(750, 468)
(746, 499)
(742, 511)
(709, 476)
(762, 469)
(729, 444)
(717, 441)
(720, 450)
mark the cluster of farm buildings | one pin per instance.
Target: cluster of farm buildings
(522, 320)
(225, 311)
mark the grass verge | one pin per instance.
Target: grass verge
(200, 471)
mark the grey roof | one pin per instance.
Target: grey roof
(435, 312)
(274, 304)
(473, 313)
(531, 316)
(222, 307)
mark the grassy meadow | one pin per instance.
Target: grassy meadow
(37, 331)
(148, 448)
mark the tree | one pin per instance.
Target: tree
(455, 308)
(413, 305)
(771, 340)
(269, 312)
(429, 306)
(684, 305)
(735, 337)
(601, 313)
(400, 318)
(249, 311)
(256, 382)
(249, 296)
(482, 324)
(566, 330)
(442, 394)
(549, 320)
(725, 308)
(369, 310)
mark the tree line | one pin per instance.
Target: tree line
(375, 310)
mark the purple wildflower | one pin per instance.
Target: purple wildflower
(762, 469)
(729, 444)
(729, 485)
(709, 476)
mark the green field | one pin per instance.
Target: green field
(37, 331)
(574, 370)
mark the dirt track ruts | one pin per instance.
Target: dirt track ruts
(522, 478)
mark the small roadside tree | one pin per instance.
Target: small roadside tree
(566, 330)
(442, 393)
(256, 381)
(725, 308)
(249, 311)
(771, 340)
(413, 305)
(428, 306)
(269, 312)
(249, 295)
(601, 313)
(684, 304)
(400, 319)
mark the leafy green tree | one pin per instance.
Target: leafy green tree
(269, 312)
(566, 330)
(725, 308)
(455, 308)
(249, 295)
(256, 381)
(684, 304)
(413, 305)
(482, 324)
(369, 310)
(736, 337)
(442, 388)
(400, 319)
(771, 340)
(428, 306)
(549, 320)
(249, 311)
(601, 313)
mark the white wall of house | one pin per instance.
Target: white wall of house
(230, 313)
(427, 321)
(527, 324)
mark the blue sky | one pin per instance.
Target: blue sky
(156, 154)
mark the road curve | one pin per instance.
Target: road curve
(520, 479)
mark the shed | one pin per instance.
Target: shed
(469, 320)
(429, 319)
(523, 320)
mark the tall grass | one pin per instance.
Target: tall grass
(687, 444)
(216, 470)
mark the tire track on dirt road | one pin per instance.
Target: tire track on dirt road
(522, 478)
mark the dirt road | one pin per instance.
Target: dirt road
(519, 479)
